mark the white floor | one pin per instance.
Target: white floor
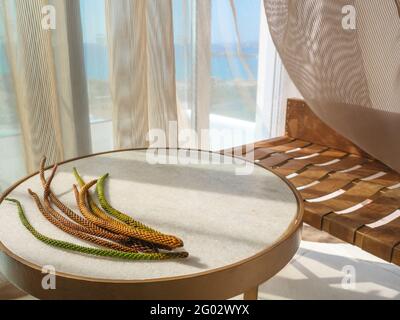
(325, 271)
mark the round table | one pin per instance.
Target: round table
(240, 224)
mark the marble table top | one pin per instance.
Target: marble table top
(221, 216)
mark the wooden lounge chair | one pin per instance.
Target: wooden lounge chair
(361, 194)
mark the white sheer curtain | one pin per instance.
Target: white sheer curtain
(229, 76)
(48, 79)
(12, 164)
(349, 76)
(200, 63)
(192, 41)
(140, 41)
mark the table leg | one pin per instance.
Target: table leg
(251, 294)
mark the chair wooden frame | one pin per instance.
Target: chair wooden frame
(361, 194)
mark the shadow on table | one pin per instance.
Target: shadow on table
(262, 186)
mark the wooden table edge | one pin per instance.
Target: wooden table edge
(221, 283)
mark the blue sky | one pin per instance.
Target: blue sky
(248, 12)
(248, 19)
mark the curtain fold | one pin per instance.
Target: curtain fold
(350, 77)
(142, 69)
(68, 50)
(48, 79)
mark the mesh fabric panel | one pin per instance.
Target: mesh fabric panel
(349, 77)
